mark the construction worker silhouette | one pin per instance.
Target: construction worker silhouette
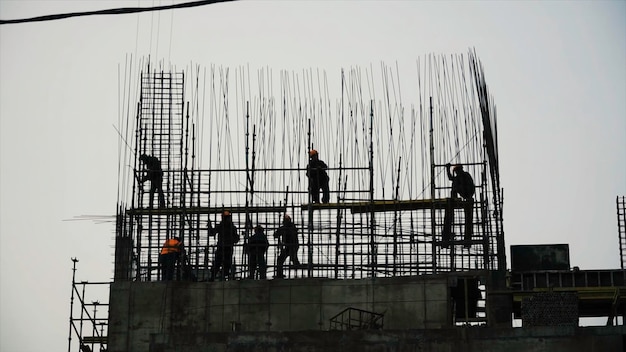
(287, 236)
(226, 238)
(257, 247)
(168, 257)
(462, 182)
(318, 178)
(463, 186)
(154, 174)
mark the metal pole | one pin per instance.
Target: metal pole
(310, 214)
(94, 331)
(433, 222)
(69, 342)
(373, 249)
(395, 221)
(338, 231)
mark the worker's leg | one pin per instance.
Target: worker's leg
(262, 266)
(252, 263)
(325, 192)
(314, 190)
(217, 263)
(293, 253)
(168, 266)
(281, 260)
(161, 198)
(151, 196)
(469, 221)
(228, 261)
(448, 220)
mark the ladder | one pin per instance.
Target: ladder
(621, 227)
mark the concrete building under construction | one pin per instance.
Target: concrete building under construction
(392, 262)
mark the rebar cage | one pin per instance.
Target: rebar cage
(224, 148)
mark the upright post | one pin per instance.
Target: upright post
(310, 214)
(69, 342)
(249, 181)
(373, 250)
(395, 220)
(433, 222)
(338, 230)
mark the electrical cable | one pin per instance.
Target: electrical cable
(116, 11)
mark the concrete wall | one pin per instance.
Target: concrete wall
(141, 310)
(471, 339)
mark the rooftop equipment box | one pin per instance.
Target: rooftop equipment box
(540, 257)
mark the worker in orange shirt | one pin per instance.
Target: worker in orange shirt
(169, 256)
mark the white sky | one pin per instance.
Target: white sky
(556, 69)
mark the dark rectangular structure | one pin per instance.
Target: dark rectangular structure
(540, 257)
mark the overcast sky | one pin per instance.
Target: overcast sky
(556, 70)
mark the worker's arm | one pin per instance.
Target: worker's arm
(212, 230)
(450, 177)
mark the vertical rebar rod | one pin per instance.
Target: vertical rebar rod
(485, 230)
(338, 229)
(433, 222)
(372, 229)
(396, 219)
(310, 212)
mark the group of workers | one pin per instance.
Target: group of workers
(463, 188)
(227, 236)
(316, 171)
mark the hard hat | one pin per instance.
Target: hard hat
(312, 152)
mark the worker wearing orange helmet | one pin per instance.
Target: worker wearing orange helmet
(318, 178)
(226, 238)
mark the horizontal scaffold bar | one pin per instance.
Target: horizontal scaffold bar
(206, 210)
(390, 205)
(607, 293)
(94, 339)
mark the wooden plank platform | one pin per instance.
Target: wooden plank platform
(206, 210)
(389, 205)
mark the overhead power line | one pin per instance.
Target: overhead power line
(118, 11)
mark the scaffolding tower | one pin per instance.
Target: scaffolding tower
(88, 319)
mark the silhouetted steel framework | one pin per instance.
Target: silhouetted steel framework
(88, 319)
(621, 227)
(228, 144)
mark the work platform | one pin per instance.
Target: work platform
(390, 205)
(206, 210)
(354, 207)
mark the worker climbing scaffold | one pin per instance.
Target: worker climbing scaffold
(463, 187)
